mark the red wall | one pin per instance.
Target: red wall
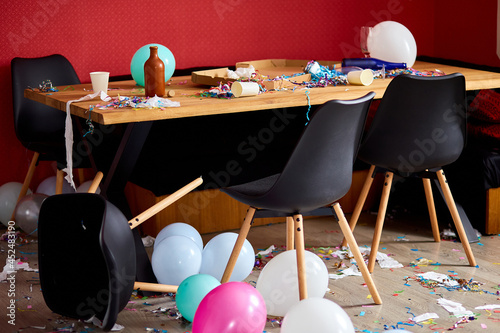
(466, 30)
(98, 35)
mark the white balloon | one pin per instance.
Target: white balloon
(9, 192)
(176, 259)
(391, 41)
(216, 255)
(278, 281)
(179, 229)
(48, 187)
(84, 187)
(316, 315)
(27, 211)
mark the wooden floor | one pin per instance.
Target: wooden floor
(406, 238)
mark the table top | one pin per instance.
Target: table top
(192, 105)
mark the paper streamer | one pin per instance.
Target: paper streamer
(68, 134)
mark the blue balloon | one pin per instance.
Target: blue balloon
(175, 259)
(179, 229)
(140, 57)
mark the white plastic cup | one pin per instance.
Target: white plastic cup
(99, 81)
(360, 78)
(240, 89)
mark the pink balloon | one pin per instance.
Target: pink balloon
(232, 307)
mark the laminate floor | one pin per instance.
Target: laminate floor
(406, 239)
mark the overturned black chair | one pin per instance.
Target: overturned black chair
(87, 257)
(419, 127)
(316, 175)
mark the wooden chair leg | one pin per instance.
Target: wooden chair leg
(95, 183)
(156, 287)
(380, 220)
(353, 245)
(361, 201)
(456, 217)
(59, 181)
(432, 209)
(247, 222)
(289, 233)
(27, 180)
(492, 211)
(300, 251)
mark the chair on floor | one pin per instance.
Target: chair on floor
(419, 127)
(316, 175)
(38, 127)
(86, 254)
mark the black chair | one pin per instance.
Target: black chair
(38, 127)
(317, 174)
(419, 127)
(87, 257)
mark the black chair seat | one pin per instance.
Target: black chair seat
(317, 173)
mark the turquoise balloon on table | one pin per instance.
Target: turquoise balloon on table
(191, 292)
(140, 57)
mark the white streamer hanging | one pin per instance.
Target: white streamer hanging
(68, 134)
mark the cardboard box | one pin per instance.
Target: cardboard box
(273, 69)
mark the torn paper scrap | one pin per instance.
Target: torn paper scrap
(148, 241)
(454, 308)
(241, 72)
(98, 323)
(351, 271)
(267, 251)
(424, 317)
(488, 307)
(11, 267)
(387, 262)
(442, 278)
(384, 260)
(155, 102)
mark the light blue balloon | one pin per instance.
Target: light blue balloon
(216, 253)
(140, 57)
(191, 292)
(175, 259)
(179, 229)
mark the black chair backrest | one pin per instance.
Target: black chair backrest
(34, 122)
(319, 170)
(420, 124)
(86, 257)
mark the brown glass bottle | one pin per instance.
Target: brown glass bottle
(154, 74)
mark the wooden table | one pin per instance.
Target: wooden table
(192, 106)
(139, 121)
(187, 94)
